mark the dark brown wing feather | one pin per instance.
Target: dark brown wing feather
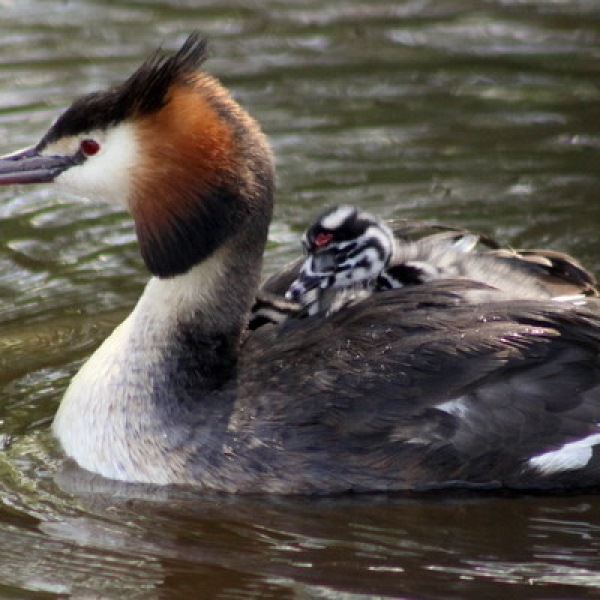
(560, 273)
(448, 383)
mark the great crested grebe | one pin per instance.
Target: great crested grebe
(450, 383)
(351, 254)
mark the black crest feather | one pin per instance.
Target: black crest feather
(143, 93)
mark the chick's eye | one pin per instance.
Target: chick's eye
(322, 239)
(89, 147)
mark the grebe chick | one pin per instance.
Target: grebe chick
(449, 383)
(351, 254)
(361, 249)
(347, 251)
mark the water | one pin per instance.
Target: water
(481, 113)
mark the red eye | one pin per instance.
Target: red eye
(322, 239)
(89, 147)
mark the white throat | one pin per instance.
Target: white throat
(106, 420)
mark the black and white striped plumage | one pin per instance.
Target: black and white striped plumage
(347, 252)
(350, 254)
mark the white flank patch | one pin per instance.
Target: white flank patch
(574, 455)
(576, 299)
(457, 407)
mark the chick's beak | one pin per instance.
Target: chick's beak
(29, 166)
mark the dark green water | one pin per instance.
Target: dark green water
(481, 113)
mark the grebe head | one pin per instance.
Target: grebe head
(170, 146)
(345, 247)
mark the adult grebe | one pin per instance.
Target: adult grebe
(448, 383)
(351, 254)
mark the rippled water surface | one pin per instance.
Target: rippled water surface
(481, 113)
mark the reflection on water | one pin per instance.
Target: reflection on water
(482, 114)
(139, 541)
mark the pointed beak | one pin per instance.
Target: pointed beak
(308, 279)
(29, 166)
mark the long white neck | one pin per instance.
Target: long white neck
(134, 400)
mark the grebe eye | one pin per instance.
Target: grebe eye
(89, 147)
(322, 239)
